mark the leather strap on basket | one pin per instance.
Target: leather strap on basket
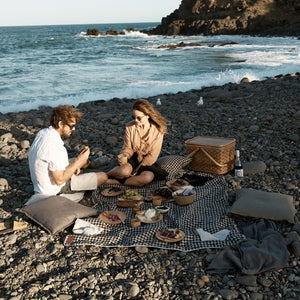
(209, 156)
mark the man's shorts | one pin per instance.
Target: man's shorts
(80, 183)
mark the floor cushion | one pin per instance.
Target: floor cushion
(56, 213)
(261, 204)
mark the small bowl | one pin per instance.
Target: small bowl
(184, 199)
(157, 200)
(162, 209)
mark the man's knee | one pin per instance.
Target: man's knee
(101, 178)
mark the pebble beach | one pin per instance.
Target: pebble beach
(263, 117)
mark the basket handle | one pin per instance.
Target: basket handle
(209, 156)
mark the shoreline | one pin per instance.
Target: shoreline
(263, 117)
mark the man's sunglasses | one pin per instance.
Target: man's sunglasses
(71, 126)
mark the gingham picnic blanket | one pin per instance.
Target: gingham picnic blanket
(208, 211)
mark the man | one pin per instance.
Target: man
(50, 170)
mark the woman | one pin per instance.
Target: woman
(142, 145)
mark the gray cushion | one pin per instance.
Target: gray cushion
(173, 164)
(56, 213)
(267, 205)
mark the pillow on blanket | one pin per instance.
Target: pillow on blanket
(260, 204)
(173, 164)
(56, 213)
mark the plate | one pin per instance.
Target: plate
(150, 221)
(176, 184)
(105, 217)
(168, 239)
(111, 192)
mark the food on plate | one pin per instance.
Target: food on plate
(184, 193)
(176, 184)
(131, 194)
(179, 182)
(150, 213)
(171, 233)
(112, 217)
(164, 191)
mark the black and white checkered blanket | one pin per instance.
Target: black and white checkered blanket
(208, 211)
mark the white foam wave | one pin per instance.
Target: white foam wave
(135, 33)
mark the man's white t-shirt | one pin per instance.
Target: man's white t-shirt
(47, 153)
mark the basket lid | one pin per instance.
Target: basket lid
(209, 140)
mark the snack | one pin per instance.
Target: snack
(163, 191)
(170, 233)
(150, 213)
(179, 182)
(131, 195)
(123, 160)
(113, 217)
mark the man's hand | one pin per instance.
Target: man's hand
(82, 159)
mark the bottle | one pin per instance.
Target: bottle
(238, 167)
(158, 102)
(200, 101)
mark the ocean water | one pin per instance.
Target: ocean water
(51, 65)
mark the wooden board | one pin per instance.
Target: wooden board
(112, 192)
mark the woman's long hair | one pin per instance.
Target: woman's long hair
(154, 116)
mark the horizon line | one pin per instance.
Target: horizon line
(79, 24)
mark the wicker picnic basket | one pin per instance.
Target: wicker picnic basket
(214, 155)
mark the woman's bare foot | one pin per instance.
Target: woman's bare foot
(113, 181)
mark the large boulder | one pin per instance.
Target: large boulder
(212, 17)
(95, 32)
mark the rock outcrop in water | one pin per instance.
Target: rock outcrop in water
(212, 17)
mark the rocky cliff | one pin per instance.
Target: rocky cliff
(254, 17)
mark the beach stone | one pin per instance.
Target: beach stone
(265, 282)
(5, 162)
(291, 237)
(141, 249)
(254, 128)
(111, 140)
(296, 228)
(12, 239)
(119, 259)
(296, 248)
(247, 280)
(25, 145)
(254, 167)
(38, 122)
(5, 138)
(65, 297)
(244, 80)
(294, 138)
(256, 296)
(133, 291)
(228, 294)
(4, 186)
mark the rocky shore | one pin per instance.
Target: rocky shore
(263, 116)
